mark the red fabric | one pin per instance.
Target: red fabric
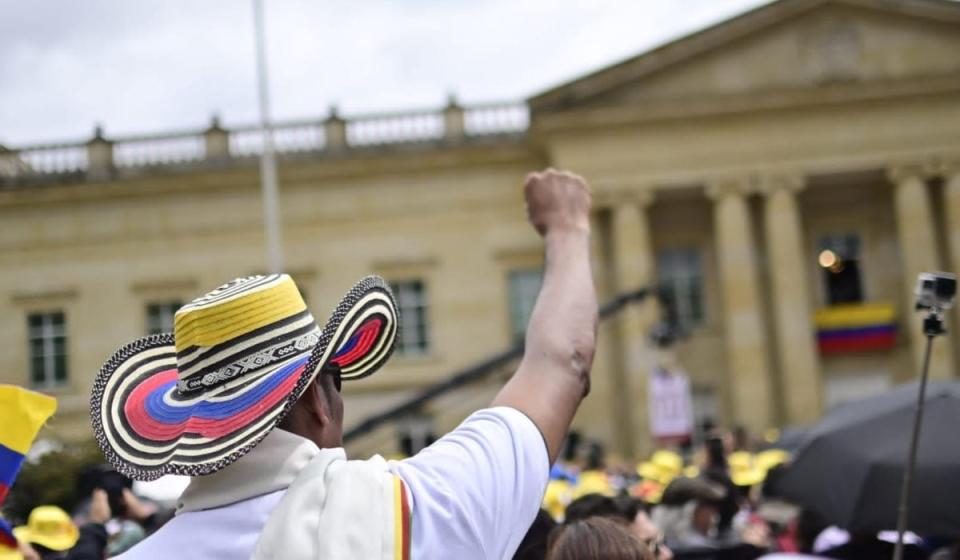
(875, 341)
(148, 427)
(136, 411)
(405, 520)
(368, 333)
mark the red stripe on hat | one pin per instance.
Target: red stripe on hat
(136, 411)
(368, 334)
(151, 428)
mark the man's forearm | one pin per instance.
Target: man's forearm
(562, 330)
(554, 374)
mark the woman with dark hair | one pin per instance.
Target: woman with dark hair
(596, 538)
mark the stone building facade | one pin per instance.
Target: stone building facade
(782, 177)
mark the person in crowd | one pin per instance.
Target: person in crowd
(688, 512)
(625, 510)
(594, 505)
(716, 470)
(741, 440)
(140, 518)
(596, 538)
(534, 543)
(93, 539)
(50, 533)
(244, 397)
(689, 515)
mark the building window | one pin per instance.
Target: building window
(680, 280)
(839, 258)
(524, 286)
(160, 316)
(413, 338)
(48, 349)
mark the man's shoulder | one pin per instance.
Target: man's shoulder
(478, 487)
(498, 433)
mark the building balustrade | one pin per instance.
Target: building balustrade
(103, 157)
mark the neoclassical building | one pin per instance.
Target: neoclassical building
(781, 177)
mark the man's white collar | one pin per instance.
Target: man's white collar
(270, 466)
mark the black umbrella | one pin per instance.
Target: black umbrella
(850, 469)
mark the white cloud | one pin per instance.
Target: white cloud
(156, 65)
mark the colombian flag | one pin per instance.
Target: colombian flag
(856, 328)
(22, 414)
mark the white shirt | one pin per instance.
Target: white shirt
(474, 494)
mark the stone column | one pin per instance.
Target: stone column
(918, 253)
(216, 141)
(748, 361)
(799, 362)
(951, 200)
(633, 268)
(335, 132)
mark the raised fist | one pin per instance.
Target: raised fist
(557, 201)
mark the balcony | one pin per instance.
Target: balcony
(105, 158)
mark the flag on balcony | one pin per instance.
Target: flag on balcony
(856, 328)
(22, 414)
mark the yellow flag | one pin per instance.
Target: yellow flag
(22, 414)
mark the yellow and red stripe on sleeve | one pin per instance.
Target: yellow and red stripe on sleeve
(402, 520)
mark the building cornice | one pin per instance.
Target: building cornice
(660, 110)
(685, 48)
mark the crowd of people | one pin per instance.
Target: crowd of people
(717, 501)
(106, 524)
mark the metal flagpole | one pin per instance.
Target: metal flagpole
(268, 162)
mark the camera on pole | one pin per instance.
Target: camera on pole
(934, 294)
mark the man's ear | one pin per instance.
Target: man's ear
(316, 402)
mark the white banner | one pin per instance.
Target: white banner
(671, 411)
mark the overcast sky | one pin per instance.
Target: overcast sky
(142, 66)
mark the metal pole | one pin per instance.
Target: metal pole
(268, 162)
(912, 458)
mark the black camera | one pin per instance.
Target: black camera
(935, 291)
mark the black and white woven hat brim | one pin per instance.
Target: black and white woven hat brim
(358, 338)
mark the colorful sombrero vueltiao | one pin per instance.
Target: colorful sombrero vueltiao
(196, 400)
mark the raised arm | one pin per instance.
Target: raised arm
(554, 374)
